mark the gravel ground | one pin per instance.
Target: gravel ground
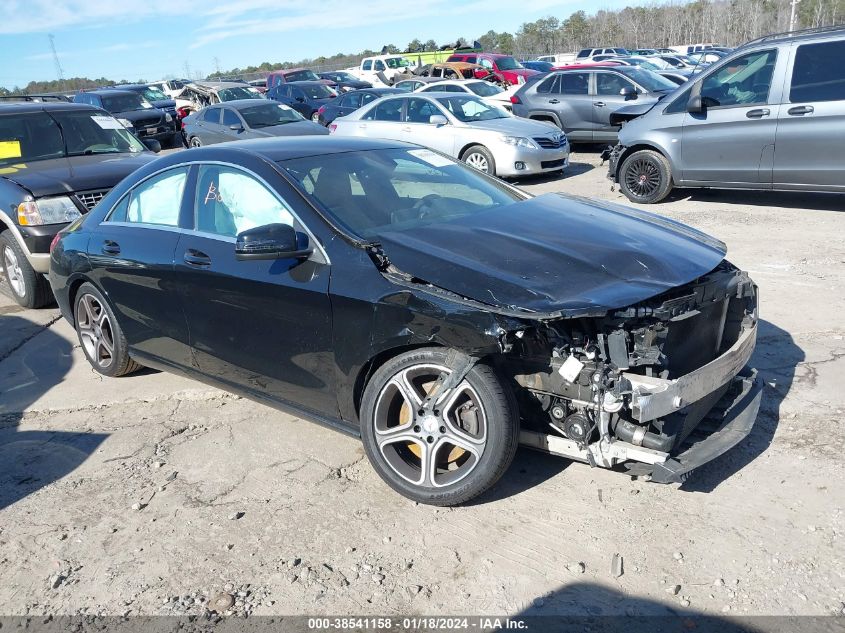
(156, 495)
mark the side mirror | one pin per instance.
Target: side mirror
(438, 120)
(695, 105)
(153, 145)
(272, 241)
(236, 128)
(629, 93)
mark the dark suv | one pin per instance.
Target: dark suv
(136, 113)
(57, 160)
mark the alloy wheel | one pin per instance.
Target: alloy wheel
(14, 273)
(195, 142)
(315, 117)
(95, 330)
(431, 445)
(478, 161)
(642, 177)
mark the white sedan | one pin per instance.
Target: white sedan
(486, 91)
(462, 126)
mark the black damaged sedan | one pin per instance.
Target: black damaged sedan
(442, 315)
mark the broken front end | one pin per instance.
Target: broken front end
(658, 388)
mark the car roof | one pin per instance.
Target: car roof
(309, 82)
(291, 147)
(131, 86)
(243, 103)
(109, 92)
(20, 107)
(379, 91)
(219, 85)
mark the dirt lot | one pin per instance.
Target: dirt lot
(153, 495)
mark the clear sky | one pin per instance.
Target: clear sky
(151, 39)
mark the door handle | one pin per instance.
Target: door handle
(111, 248)
(407, 128)
(759, 113)
(599, 104)
(554, 101)
(197, 258)
(799, 110)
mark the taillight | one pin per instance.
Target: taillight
(55, 241)
(332, 128)
(515, 99)
(321, 109)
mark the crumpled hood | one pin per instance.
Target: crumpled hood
(297, 128)
(556, 254)
(80, 173)
(632, 111)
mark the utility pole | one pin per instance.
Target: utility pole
(793, 3)
(59, 72)
(217, 65)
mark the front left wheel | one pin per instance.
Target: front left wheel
(29, 288)
(481, 158)
(100, 335)
(445, 451)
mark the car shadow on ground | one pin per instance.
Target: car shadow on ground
(529, 469)
(31, 460)
(590, 606)
(776, 199)
(776, 358)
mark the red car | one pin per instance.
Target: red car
(504, 65)
(278, 77)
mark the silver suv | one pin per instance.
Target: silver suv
(771, 115)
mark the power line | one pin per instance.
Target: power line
(59, 71)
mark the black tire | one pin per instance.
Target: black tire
(480, 158)
(30, 289)
(195, 142)
(645, 177)
(493, 407)
(100, 313)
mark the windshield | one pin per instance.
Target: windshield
(153, 94)
(40, 136)
(642, 63)
(125, 103)
(508, 63)
(396, 62)
(343, 77)
(484, 88)
(302, 75)
(652, 82)
(471, 109)
(376, 192)
(232, 94)
(318, 91)
(268, 114)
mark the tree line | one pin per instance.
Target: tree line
(658, 24)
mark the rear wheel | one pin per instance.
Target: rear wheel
(29, 288)
(481, 159)
(445, 454)
(195, 142)
(315, 116)
(645, 177)
(100, 335)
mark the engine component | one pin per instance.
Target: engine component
(577, 427)
(639, 436)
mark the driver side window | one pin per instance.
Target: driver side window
(229, 201)
(744, 81)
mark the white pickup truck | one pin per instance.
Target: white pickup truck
(388, 66)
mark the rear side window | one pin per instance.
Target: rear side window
(368, 65)
(364, 99)
(574, 84)
(155, 201)
(390, 110)
(547, 85)
(379, 65)
(211, 115)
(818, 73)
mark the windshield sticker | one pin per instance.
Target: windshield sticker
(10, 149)
(282, 106)
(433, 159)
(107, 122)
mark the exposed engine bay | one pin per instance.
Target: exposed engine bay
(636, 385)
